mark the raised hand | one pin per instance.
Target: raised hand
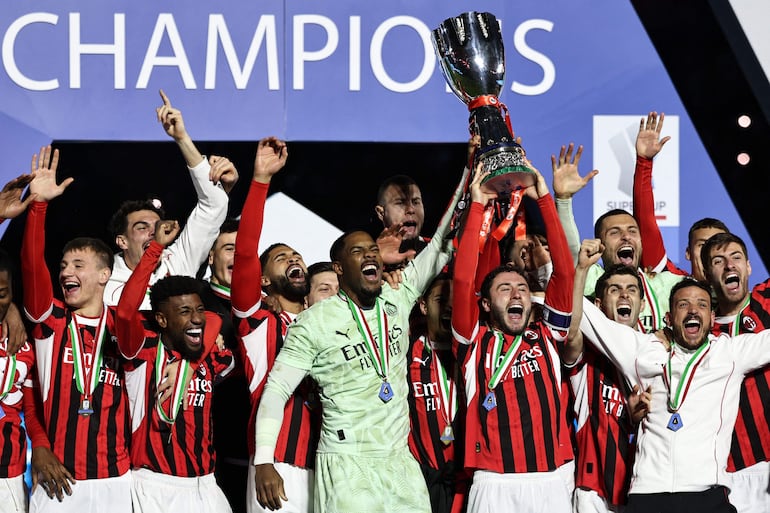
(171, 118)
(478, 193)
(389, 243)
(223, 171)
(566, 179)
(648, 141)
(166, 231)
(540, 188)
(44, 185)
(590, 253)
(271, 157)
(10, 197)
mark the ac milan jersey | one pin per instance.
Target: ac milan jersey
(183, 448)
(604, 452)
(751, 436)
(432, 406)
(89, 446)
(13, 439)
(524, 428)
(261, 333)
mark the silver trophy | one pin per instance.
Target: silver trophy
(470, 50)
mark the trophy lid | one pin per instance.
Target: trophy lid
(470, 50)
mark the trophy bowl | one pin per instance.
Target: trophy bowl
(472, 58)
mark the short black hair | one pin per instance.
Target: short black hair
(401, 182)
(716, 241)
(706, 222)
(318, 268)
(229, 225)
(616, 270)
(265, 256)
(688, 281)
(172, 286)
(609, 213)
(486, 285)
(119, 220)
(100, 249)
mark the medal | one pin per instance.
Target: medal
(448, 435)
(386, 393)
(675, 422)
(489, 401)
(87, 376)
(676, 399)
(377, 348)
(85, 407)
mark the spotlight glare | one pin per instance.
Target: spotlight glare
(743, 159)
(744, 121)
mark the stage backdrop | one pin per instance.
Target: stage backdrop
(344, 70)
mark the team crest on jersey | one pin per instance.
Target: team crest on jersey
(530, 334)
(749, 324)
(202, 370)
(390, 308)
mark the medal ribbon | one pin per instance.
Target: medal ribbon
(674, 403)
(447, 389)
(739, 317)
(378, 350)
(10, 371)
(87, 376)
(179, 384)
(652, 301)
(494, 101)
(497, 374)
(220, 290)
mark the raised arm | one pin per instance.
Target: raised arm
(590, 253)
(245, 291)
(38, 289)
(465, 308)
(129, 327)
(648, 145)
(11, 204)
(566, 183)
(192, 246)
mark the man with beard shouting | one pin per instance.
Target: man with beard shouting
(280, 272)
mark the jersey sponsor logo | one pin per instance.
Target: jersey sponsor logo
(525, 363)
(199, 388)
(108, 374)
(613, 399)
(429, 393)
(359, 352)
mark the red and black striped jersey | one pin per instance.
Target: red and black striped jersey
(432, 406)
(526, 430)
(604, 451)
(89, 446)
(183, 448)
(751, 436)
(261, 334)
(13, 438)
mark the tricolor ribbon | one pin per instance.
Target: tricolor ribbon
(497, 373)
(180, 382)
(681, 389)
(378, 349)
(87, 376)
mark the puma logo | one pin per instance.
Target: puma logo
(422, 362)
(346, 334)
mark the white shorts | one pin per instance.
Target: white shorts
(749, 488)
(567, 472)
(88, 496)
(154, 492)
(588, 501)
(13, 495)
(297, 483)
(530, 492)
